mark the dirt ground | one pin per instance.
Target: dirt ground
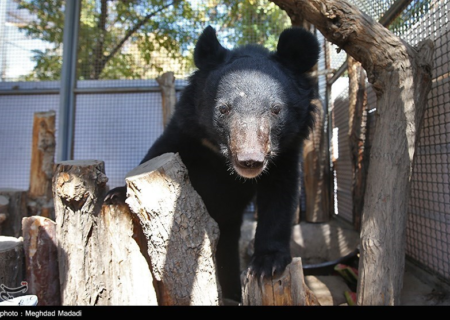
(329, 290)
(337, 238)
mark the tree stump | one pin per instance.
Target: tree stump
(12, 209)
(181, 235)
(79, 187)
(12, 271)
(40, 197)
(167, 84)
(41, 259)
(100, 263)
(289, 289)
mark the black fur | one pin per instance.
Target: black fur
(245, 111)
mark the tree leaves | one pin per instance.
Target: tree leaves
(129, 39)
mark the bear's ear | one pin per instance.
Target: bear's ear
(297, 49)
(208, 51)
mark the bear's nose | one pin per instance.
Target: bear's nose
(251, 160)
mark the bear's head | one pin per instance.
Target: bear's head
(255, 103)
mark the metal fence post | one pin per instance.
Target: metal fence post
(68, 81)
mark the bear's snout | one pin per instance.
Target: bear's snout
(250, 160)
(250, 146)
(249, 165)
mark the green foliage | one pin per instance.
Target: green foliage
(131, 39)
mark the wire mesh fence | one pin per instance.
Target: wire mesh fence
(429, 207)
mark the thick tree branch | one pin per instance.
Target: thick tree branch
(359, 35)
(98, 51)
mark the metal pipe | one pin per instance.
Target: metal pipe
(68, 80)
(122, 90)
(25, 92)
(93, 90)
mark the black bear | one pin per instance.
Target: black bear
(239, 127)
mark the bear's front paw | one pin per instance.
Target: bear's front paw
(116, 196)
(269, 264)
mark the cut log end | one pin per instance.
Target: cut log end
(289, 289)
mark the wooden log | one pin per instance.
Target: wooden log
(358, 135)
(14, 208)
(79, 187)
(316, 170)
(40, 197)
(289, 289)
(166, 82)
(181, 235)
(100, 263)
(41, 259)
(4, 203)
(128, 278)
(12, 268)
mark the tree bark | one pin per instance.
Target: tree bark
(401, 78)
(125, 260)
(12, 264)
(167, 84)
(78, 189)
(40, 197)
(100, 263)
(358, 136)
(289, 289)
(315, 166)
(14, 209)
(41, 259)
(4, 202)
(181, 236)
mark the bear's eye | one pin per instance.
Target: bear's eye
(275, 109)
(224, 109)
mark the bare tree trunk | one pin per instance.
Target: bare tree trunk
(358, 136)
(401, 78)
(40, 197)
(316, 164)
(41, 259)
(289, 289)
(181, 235)
(167, 84)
